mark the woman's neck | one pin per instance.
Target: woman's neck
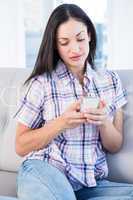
(78, 73)
(79, 76)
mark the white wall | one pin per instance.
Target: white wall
(120, 33)
(47, 8)
(12, 31)
(120, 29)
(12, 43)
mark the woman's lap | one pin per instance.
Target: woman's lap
(38, 180)
(106, 190)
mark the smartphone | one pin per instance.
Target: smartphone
(89, 102)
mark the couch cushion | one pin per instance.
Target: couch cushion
(121, 163)
(8, 183)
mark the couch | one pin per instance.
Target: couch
(11, 79)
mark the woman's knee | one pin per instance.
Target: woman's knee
(45, 179)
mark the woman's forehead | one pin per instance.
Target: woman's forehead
(71, 28)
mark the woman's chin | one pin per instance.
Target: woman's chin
(77, 63)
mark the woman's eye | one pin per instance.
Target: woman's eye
(80, 40)
(63, 44)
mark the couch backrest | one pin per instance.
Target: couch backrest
(121, 163)
(11, 79)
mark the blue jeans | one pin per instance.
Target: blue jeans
(106, 190)
(38, 180)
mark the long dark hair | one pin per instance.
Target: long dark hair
(48, 55)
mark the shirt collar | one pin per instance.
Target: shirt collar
(89, 72)
(67, 76)
(63, 73)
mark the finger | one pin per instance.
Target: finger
(94, 122)
(78, 121)
(75, 106)
(76, 115)
(95, 111)
(95, 117)
(102, 104)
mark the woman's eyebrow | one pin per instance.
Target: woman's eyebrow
(64, 38)
(79, 33)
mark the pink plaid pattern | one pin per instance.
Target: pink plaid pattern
(77, 152)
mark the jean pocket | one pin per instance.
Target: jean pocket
(25, 168)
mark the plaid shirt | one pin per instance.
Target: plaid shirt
(78, 152)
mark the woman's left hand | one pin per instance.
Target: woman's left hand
(96, 116)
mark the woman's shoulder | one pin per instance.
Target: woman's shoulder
(39, 79)
(108, 73)
(36, 83)
(113, 75)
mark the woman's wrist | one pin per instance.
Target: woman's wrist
(61, 123)
(58, 125)
(106, 123)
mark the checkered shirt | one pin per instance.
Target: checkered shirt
(77, 152)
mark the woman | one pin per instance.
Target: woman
(65, 148)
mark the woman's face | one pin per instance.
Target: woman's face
(73, 43)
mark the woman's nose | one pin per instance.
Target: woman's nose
(74, 48)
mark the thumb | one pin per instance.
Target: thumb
(102, 104)
(75, 106)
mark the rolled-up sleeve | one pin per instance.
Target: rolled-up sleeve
(31, 103)
(120, 93)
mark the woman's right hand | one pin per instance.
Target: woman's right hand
(72, 117)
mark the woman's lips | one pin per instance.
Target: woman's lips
(75, 58)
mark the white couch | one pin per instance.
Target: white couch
(120, 164)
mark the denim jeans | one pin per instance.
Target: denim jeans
(38, 180)
(106, 190)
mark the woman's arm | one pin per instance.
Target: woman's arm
(28, 140)
(112, 133)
